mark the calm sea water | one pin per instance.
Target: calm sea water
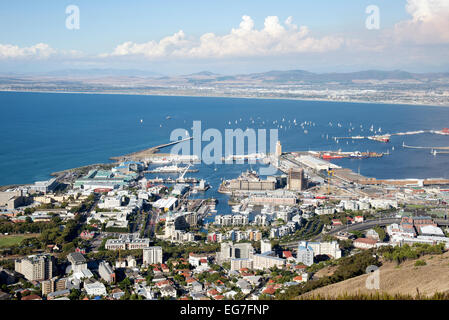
(42, 133)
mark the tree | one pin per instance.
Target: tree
(74, 294)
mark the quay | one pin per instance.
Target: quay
(174, 170)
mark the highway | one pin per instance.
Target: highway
(368, 224)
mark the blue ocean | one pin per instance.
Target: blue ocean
(46, 132)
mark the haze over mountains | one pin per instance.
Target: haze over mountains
(375, 86)
(273, 75)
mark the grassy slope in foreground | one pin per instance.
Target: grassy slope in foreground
(405, 279)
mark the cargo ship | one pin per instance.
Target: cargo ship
(327, 156)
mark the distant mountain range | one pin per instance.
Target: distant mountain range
(275, 76)
(301, 75)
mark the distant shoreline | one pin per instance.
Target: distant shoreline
(230, 97)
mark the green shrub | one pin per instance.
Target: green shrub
(419, 263)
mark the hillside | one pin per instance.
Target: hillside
(405, 279)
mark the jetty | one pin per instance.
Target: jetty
(424, 147)
(140, 155)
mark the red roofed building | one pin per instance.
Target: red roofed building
(190, 280)
(197, 259)
(300, 267)
(269, 290)
(365, 243)
(212, 292)
(164, 283)
(218, 297)
(336, 222)
(165, 268)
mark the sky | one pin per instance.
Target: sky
(227, 37)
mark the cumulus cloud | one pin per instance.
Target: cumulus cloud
(274, 38)
(429, 23)
(40, 50)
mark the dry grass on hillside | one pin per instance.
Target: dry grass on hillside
(405, 279)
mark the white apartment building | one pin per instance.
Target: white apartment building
(152, 255)
(95, 289)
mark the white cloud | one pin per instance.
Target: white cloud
(245, 41)
(429, 23)
(40, 50)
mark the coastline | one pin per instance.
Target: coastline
(398, 103)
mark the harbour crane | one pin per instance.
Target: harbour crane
(181, 176)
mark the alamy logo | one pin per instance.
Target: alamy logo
(373, 279)
(373, 20)
(72, 22)
(234, 139)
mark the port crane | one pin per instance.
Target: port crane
(181, 176)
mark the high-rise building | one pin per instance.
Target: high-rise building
(296, 181)
(152, 255)
(278, 149)
(305, 253)
(106, 272)
(235, 251)
(265, 245)
(53, 285)
(78, 261)
(267, 260)
(326, 248)
(36, 267)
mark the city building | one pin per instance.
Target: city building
(235, 251)
(106, 273)
(127, 242)
(364, 243)
(78, 261)
(296, 180)
(197, 259)
(326, 248)
(305, 253)
(267, 260)
(265, 245)
(53, 285)
(152, 255)
(278, 149)
(36, 267)
(237, 264)
(95, 289)
(45, 186)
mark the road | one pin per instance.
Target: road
(368, 224)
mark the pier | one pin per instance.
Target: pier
(138, 155)
(424, 147)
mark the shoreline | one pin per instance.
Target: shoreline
(231, 97)
(156, 149)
